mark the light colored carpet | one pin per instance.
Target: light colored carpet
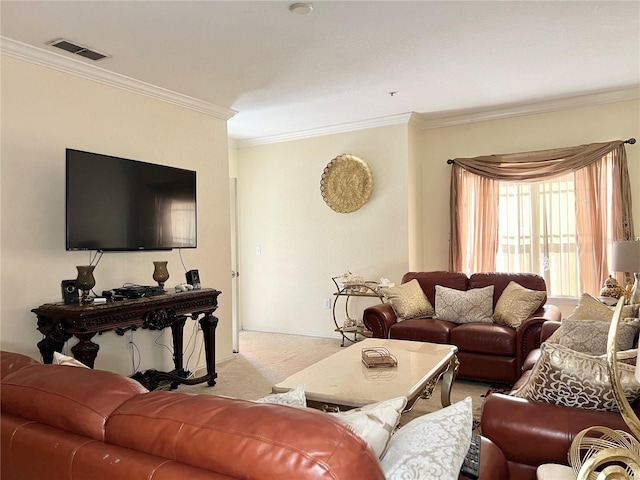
(269, 358)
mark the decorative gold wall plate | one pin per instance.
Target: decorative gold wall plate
(346, 183)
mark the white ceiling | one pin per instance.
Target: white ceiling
(285, 73)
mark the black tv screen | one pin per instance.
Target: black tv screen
(117, 204)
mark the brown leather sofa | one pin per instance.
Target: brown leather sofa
(486, 351)
(534, 433)
(61, 422)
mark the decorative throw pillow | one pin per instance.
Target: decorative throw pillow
(563, 376)
(590, 308)
(409, 301)
(431, 447)
(516, 304)
(292, 398)
(590, 336)
(375, 423)
(60, 359)
(464, 306)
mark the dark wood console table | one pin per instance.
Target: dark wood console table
(59, 322)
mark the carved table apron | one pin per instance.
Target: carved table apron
(59, 322)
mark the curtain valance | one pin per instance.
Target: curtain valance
(537, 165)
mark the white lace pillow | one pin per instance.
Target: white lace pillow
(292, 398)
(562, 376)
(464, 306)
(431, 447)
(60, 359)
(375, 423)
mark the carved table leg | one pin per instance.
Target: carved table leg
(209, 324)
(85, 350)
(54, 339)
(447, 381)
(177, 331)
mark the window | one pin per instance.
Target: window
(537, 232)
(551, 212)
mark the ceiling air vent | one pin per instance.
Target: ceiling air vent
(77, 49)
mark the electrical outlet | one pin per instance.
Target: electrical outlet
(327, 303)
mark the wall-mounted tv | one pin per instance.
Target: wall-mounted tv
(117, 204)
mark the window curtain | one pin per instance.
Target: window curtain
(600, 173)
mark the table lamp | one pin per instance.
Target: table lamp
(626, 258)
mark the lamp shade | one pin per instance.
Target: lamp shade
(626, 256)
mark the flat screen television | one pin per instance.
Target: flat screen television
(117, 204)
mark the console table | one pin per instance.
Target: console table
(59, 322)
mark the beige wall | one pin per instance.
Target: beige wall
(44, 112)
(404, 227)
(303, 242)
(599, 123)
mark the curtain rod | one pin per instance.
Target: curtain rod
(631, 141)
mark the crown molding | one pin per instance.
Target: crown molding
(44, 58)
(427, 121)
(402, 118)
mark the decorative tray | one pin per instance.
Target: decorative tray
(378, 357)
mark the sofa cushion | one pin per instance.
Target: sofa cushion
(10, 362)
(516, 304)
(590, 308)
(375, 423)
(294, 398)
(431, 447)
(590, 336)
(429, 280)
(49, 394)
(500, 280)
(563, 376)
(464, 306)
(485, 338)
(409, 301)
(431, 330)
(241, 439)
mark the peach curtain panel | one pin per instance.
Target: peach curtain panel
(603, 203)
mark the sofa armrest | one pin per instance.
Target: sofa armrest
(548, 328)
(528, 335)
(379, 318)
(517, 425)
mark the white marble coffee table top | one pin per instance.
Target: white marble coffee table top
(342, 379)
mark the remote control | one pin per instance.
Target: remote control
(471, 465)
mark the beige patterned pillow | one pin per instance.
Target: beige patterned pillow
(563, 376)
(465, 306)
(590, 336)
(590, 308)
(516, 304)
(409, 301)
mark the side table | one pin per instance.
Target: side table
(346, 292)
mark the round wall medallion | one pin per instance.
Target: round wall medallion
(346, 183)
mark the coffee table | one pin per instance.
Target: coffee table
(341, 381)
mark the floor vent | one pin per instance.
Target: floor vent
(77, 49)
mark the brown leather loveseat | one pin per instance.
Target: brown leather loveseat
(532, 433)
(486, 351)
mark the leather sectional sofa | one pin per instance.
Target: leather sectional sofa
(486, 351)
(61, 423)
(532, 433)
